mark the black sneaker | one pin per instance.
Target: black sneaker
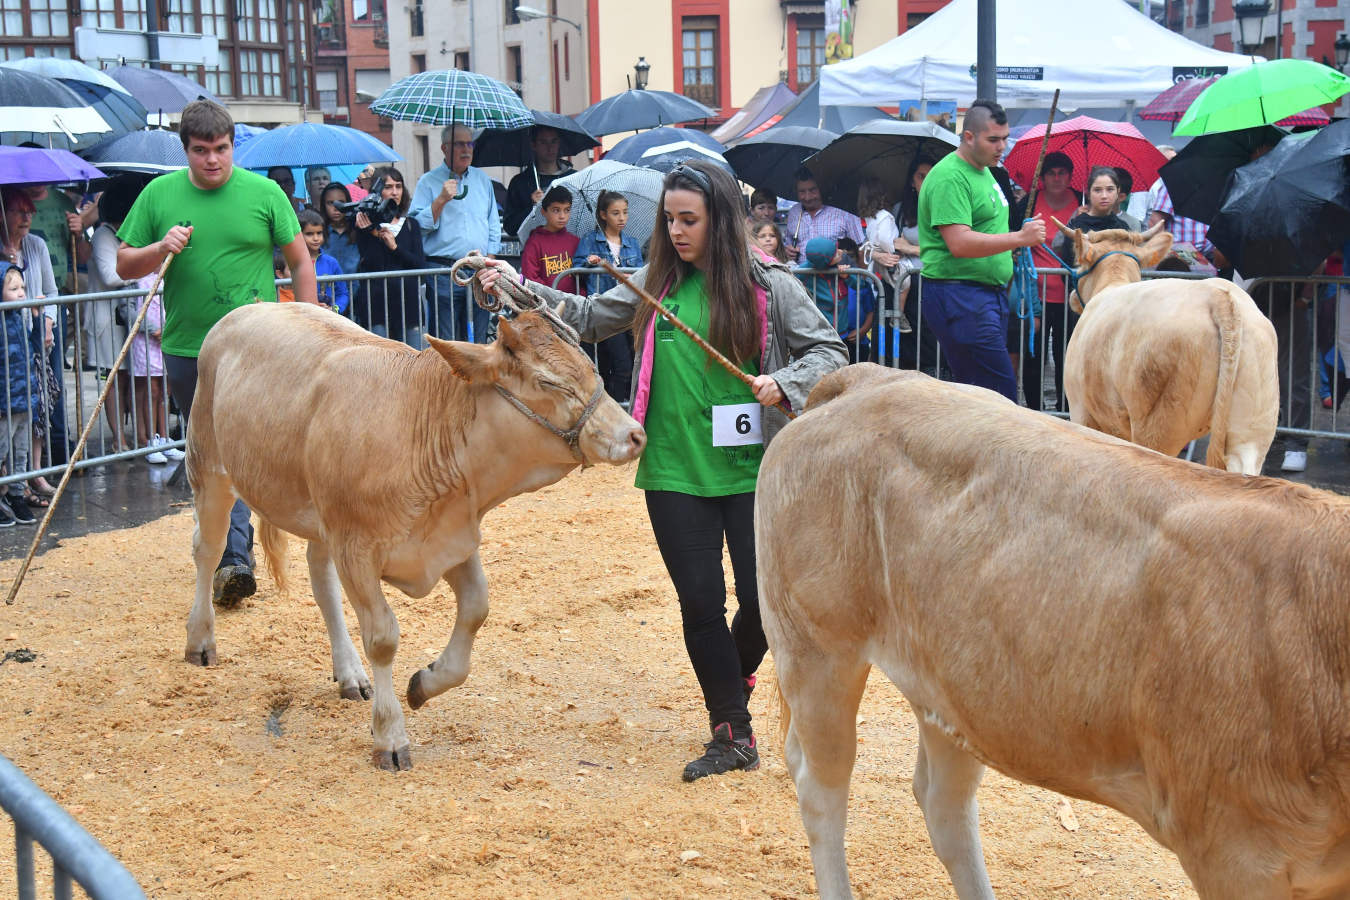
(19, 507)
(231, 585)
(6, 515)
(723, 754)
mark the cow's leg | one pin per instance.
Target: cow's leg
(452, 666)
(1245, 458)
(212, 499)
(819, 748)
(347, 669)
(945, 780)
(379, 635)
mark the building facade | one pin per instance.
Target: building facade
(1308, 28)
(265, 69)
(351, 55)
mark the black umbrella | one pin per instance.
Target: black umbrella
(1197, 176)
(881, 148)
(635, 110)
(150, 152)
(1287, 211)
(770, 160)
(500, 147)
(43, 111)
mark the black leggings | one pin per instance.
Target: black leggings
(689, 531)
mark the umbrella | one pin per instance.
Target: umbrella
(453, 97)
(879, 148)
(34, 165)
(665, 148)
(807, 111)
(160, 90)
(43, 111)
(1171, 105)
(245, 133)
(635, 110)
(1088, 142)
(1288, 210)
(151, 152)
(113, 102)
(1262, 94)
(1197, 176)
(313, 144)
(770, 160)
(511, 147)
(641, 187)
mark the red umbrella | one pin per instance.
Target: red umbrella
(1088, 142)
(1171, 105)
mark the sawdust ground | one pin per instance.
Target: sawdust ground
(552, 772)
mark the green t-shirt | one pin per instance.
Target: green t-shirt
(956, 193)
(227, 262)
(687, 390)
(49, 222)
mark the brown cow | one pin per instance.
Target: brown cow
(1166, 361)
(386, 461)
(1188, 664)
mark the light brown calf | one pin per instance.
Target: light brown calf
(386, 461)
(1187, 660)
(1166, 361)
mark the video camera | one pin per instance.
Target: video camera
(378, 208)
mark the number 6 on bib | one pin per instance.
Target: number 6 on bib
(736, 425)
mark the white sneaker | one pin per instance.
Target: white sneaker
(156, 457)
(171, 452)
(1294, 461)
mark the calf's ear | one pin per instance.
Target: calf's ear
(470, 362)
(1154, 248)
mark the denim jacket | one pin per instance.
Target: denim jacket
(630, 257)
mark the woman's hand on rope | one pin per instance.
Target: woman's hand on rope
(767, 391)
(493, 270)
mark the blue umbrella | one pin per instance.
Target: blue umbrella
(34, 165)
(664, 148)
(312, 144)
(150, 152)
(635, 110)
(114, 102)
(160, 90)
(245, 133)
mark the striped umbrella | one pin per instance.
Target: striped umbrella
(41, 110)
(453, 97)
(113, 102)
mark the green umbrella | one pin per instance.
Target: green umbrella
(453, 97)
(1262, 94)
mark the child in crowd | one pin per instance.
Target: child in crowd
(147, 372)
(842, 303)
(1103, 196)
(332, 294)
(768, 238)
(763, 207)
(608, 242)
(549, 250)
(15, 421)
(285, 293)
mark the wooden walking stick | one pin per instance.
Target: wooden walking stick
(707, 348)
(1040, 160)
(84, 437)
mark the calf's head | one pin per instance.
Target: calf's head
(540, 373)
(1094, 251)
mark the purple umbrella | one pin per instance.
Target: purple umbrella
(36, 165)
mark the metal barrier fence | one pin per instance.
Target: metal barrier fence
(75, 853)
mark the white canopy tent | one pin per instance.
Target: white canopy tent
(1099, 53)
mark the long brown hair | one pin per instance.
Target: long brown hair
(733, 324)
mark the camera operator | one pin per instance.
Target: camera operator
(389, 241)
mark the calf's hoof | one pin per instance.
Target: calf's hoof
(393, 760)
(356, 690)
(417, 696)
(202, 656)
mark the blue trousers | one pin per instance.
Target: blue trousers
(448, 302)
(181, 373)
(971, 324)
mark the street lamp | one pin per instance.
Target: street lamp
(529, 14)
(1342, 51)
(1251, 19)
(640, 70)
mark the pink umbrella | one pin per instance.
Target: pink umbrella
(1088, 142)
(1171, 105)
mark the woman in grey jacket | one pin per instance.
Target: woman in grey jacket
(706, 431)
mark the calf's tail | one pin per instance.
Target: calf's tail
(1225, 315)
(274, 541)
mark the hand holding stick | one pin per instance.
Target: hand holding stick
(707, 348)
(84, 438)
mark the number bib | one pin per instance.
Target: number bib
(736, 425)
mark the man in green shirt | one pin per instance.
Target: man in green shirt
(222, 223)
(966, 249)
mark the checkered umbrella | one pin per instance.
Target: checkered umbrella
(453, 96)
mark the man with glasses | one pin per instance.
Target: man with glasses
(455, 205)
